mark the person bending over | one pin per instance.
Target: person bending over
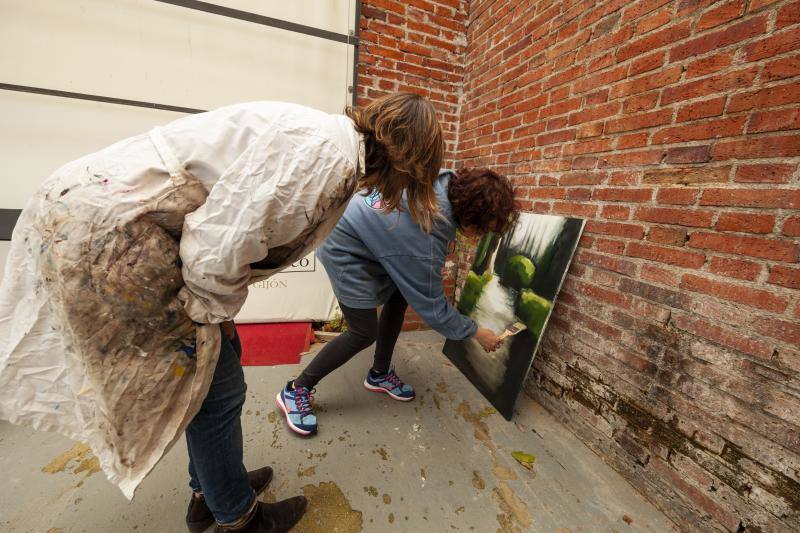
(376, 257)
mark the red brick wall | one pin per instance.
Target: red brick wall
(672, 127)
(415, 46)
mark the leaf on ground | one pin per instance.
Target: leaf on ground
(525, 459)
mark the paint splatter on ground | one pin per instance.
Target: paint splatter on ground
(486, 412)
(481, 431)
(329, 511)
(307, 472)
(383, 453)
(525, 459)
(515, 512)
(372, 491)
(90, 465)
(477, 481)
(504, 474)
(59, 464)
(80, 455)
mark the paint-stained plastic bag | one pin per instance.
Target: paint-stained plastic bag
(94, 343)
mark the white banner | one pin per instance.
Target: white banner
(300, 293)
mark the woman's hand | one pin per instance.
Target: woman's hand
(487, 339)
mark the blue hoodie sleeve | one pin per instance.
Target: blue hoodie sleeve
(420, 282)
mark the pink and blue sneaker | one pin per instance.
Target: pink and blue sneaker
(296, 406)
(390, 384)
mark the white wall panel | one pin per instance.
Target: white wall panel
(154, 52)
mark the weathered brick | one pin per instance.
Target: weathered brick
(713, 107)
(789, 14)
(636, 122)
(687, 176)
(614, 264)
(662, 254)
(724, 37)
(766, 198)
(678, 216)
(774, 249)
(594, 113)
(671, 236)
(791, 226)
(631, 159)
(688, 154)
(782, 330)
(720, 15)
(654, 293)
(663, 37)
(633, 140)
(746, 222)
(782, 119)
(609, 246)
(631, 231)
(709, 65)
(615, 212)
(647, 63)
(787, 93)
(758, 173)
(785, 276)
(707, 86)
(777, 146)
(600, 294)
(622, 194)
(734, 268)
(547, 192)
(785, 67)
(712, 129)
(677, 196)
(656, 80)
(575, 209)
(641, 102)
(656, 274)
(774, 44)
(723, 336)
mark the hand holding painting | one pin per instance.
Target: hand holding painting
(487, 339)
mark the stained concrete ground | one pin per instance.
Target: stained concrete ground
(440, 463)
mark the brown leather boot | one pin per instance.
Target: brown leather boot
(270, 517)
(199, 517)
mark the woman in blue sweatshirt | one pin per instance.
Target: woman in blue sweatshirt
(376, 257)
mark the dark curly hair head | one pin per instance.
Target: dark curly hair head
(482, 200)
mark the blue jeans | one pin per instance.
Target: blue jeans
(214, 439)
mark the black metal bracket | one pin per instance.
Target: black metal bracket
(8, 219)
(96, 98)
(264, 20)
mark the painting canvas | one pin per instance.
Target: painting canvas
(515, 278)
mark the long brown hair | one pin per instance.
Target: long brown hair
(404, 152)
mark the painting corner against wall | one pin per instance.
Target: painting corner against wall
(515, 277)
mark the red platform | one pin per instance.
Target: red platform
(274, 344)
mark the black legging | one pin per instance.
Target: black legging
(363, 329)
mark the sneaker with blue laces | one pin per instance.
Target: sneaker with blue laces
(390, 384)
(296, 406)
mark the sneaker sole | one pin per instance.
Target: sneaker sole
(373, 388)
(294, 428)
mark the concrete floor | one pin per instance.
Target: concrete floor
(440, 463)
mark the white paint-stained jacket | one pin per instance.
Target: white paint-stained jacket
(125, 259)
